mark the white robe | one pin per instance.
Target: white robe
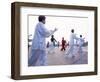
(81, 42)
(38, 53)
(72, 38)
(41, 33)
(70, 50)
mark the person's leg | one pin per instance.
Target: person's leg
(80, 53)
(43, 58)
(54, 43)
(52, 48)
(64, 48)
(69, 50)
(61, 48)
(32, 60)
(72, 49)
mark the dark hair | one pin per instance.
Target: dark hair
(41, 18)
(80, 35)
(52, 36)
(72, 30)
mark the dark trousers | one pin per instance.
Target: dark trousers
(63, 48)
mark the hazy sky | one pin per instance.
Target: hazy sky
(63, 24)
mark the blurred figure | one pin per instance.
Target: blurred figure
(63, 44)
(81, 42)
(38, 48)
(51, 48)
(53, 40)
(68, 43)
(58, 44)
(52, 45)
(71, 43)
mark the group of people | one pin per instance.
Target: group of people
(54, 43)
(72, 45)
(38, 55)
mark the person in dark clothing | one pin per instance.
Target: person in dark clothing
(53, 40)
(63, 44)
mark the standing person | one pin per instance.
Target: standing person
(53, 40)
(71, 43)
(38, 50)
(63, 44)
(52, 45)
(81, 42)
(51, 48)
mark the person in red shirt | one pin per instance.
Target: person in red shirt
(63, 44)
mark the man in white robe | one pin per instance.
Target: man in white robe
(71, 43)
(38, 48)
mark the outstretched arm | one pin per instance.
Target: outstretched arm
(75, 37)
(46, 33)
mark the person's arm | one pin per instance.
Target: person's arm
(83, 40)
(75, 37)
(55, 40)
(46, 33)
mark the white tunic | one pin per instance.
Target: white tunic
(81, 41)
(40, 34)
(72, 38)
